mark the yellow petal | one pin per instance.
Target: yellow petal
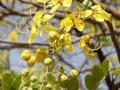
(37, 18)
(69, 48)
(82, 45)
(79, 24)
(33, 33)
(67, 3)
(86, 13)
(83, 41)
(52, 36)
(96, 7)
(98, 17)
(67, 23)
(60, 41)
(86, 52)
(26, 54)
(105, 15)
(47, 17)
(31, 62)
(41, 54)
(67, 38)
(55, 8)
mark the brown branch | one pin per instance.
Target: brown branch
(116, 86)
(11, 45)
(12, 12)
(112, 33)
(101, 57)
(113, 12)
(61, 59)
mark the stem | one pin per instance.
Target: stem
(115, 43)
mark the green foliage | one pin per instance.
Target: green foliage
(73, 83)
(116, 71)
(99, 72)
(10, 81)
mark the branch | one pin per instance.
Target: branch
(112, 33)
(61, 59)
(116, 86)
(11, 45)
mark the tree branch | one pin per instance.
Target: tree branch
(112, 33)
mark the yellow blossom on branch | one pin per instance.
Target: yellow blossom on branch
(72, 20)
(67, 3)
(84, 40)
(99, 14)
(86, 13)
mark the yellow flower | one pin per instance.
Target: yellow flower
(86, 13)
(25, 72)
(47, 17)
(52, 36)
(41, 54)
(67, 3)
(57, 3)
(60, 40)
(48, 61)
(67, 23)
(67, 39)
(83, 41)
(99, 14)
(37, 18)
(33, 33)
(79, 24)
(87, 52)
(69, 48)
(26, 54)
(54, 8)
(71, 20)
(31, 61)
(68, 42)
(36, 23)
(96, 7)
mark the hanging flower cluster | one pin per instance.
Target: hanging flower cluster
(60, 37)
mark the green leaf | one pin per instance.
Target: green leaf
(97, 74)
(106, 66)
(89, 82)
(16, 82)
(73, 83)
(116, 71)
(51, 77)
(6, 81)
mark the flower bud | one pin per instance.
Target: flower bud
(26, 54)
(48, 86)
(29, 88)
(52, 36)
(48, 61)
(74, 73)
(24, 72)
(41, 54)
(24, 88)
(33, 79)
(31, 62)
(63, 78)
